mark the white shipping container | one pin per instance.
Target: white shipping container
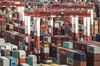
(46, 50)
(56, 25)
(3, 47)
(22, 54)
(8, 47)
(70, 57)
(2, 41)
(13, 47)
(93, 49)
(34, 58)
(70, 61)
(35, 64)
(4, 61)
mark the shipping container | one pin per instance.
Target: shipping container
(12, 61)
(4, 61)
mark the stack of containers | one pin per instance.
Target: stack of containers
(56, 40)
(7, 36)
(93, 55)
(54, 53)
(63, 55)
(94, 37)
(9, 26)
(5, 52)
(2, 47)
(68, 45)
(2, 41)
(70, 57)
(56, 28)
(81, 45)
(59, 39)
(12, 61)
(4, 61)
(5, 49)
(17, 25)
(46, 53)
(31, 60)
(76, 58)
(98, 37)
(80, 59)
(13, 47)
(20, 56)
(15, 54)
(2, 23)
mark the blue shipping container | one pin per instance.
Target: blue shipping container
(70, 54)
(12, 61)
(80, 56)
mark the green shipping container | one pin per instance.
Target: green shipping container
(15, 54)
(68, 45)
(29, 61)
(94, 37)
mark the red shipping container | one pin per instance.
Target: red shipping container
(97, 63)
(7, 36)
(53, 51)
(16, 28)
(93, 57)
(22, 60)
(93, 63)
(44, 56)
(59, 39)
(63, 55)
(80, 46)
(79, 63)
(56, 31)
(83, 45)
